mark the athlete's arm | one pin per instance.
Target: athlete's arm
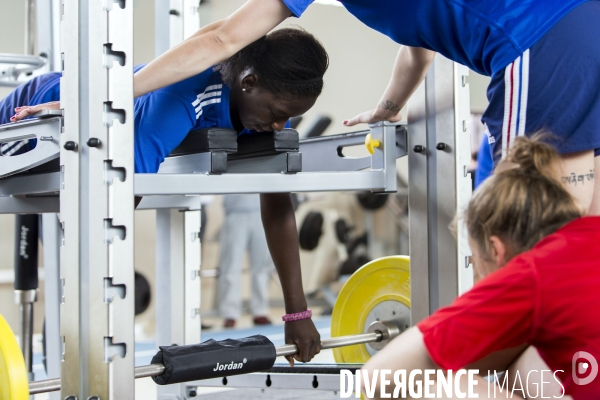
(410, 68)
(211, 45)
(530, 360)
(25, 111)
(279, 223)
(406, 352)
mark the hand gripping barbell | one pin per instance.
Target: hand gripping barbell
(215, 359)
(375, 300)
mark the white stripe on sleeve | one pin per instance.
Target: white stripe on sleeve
(515, 102)
(524, 94)
(205, 95)
(199, 109)
(507, 92)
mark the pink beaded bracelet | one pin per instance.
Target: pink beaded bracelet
(297, 316)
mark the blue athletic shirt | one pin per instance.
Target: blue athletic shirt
(162, 118)
(40, 89)
(484, 35)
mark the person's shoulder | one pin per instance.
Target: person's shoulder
(188, 90)
(206, 77)
(197, 84)
(581, 231)
(584, 225)
(573, 243)
(46, 79)
(297, 7)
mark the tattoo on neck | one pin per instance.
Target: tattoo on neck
(388, 105)
(573, 178)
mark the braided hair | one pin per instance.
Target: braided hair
(288, 61)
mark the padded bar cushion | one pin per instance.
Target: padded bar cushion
(265, 143)
(213, 359)
(26, 252)
(207, 139)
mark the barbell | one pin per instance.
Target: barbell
(372, 308)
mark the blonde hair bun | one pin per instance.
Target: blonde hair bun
(524, 200)
(535, 155)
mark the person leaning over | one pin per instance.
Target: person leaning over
(539, 261)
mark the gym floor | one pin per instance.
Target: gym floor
(144, 351)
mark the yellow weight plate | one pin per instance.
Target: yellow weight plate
(379, 289)
(13, 374)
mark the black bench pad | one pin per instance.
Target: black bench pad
(267, 143)
(208, 139)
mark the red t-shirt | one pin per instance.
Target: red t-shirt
(548, 297)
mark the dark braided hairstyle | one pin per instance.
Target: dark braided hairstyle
(288, 61)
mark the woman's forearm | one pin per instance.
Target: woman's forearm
(211, 45)
(282, 237)
(410, 68)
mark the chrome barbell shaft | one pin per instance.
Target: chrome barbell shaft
(52, 385)
(291, 349)
(47, 385)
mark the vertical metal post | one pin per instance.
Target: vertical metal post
(192, 263)
(26, 280)
(464, 182)
(69, 202)
(418, 199)
(97, 200)
(385, 155)
(178, 284)
(48, 34)
(30, 13)
(51, 234)
(177, 241)
(162, 41)
(438, 188)
(174, 21)
(191, 18)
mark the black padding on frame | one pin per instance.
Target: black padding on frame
(26, 252)
(332, 369)
(265, 143)
(212, 359)
(207, 139)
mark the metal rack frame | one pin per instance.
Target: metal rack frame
(97, 185)
(439, 186)
(96, 201)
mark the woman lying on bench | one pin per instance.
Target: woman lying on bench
(539, 263)
(258, 89)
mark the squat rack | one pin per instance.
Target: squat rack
(97, 184)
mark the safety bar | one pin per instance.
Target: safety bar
(16, 59)
(47, 133)
(331, 171)
(31, 63)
